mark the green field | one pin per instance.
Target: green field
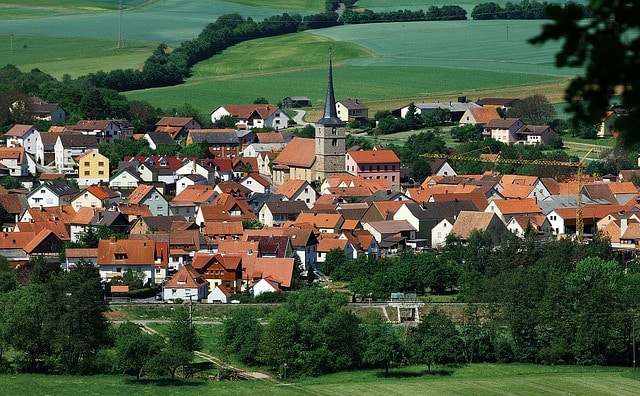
(481, 379)
(158, 21)
(72, 55)
(304, 5)
(367, 68)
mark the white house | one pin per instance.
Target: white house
(440, 232)
(189, 180)
(219, 294)
(69, 146)
(187, 284)
(195, 168)
(253, 115)
(298, 190)
(264, 286)
(503, 130)
(26, 136)
(53, 193)
(15, 160)
(126, 178)
(256, 183)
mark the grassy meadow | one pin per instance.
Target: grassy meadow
(480, 379)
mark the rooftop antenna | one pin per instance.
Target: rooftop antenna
(120, 31)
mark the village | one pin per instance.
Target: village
(264, 208)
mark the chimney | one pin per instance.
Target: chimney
(112, 239)
(624, 223)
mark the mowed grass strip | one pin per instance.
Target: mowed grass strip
(71, 5)
(306, 5)
(479, 379)
(71, 55)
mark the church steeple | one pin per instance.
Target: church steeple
(330, 137)
(330, 115)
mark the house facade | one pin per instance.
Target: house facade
(352, 110)
(68, 147)
(15, 160)
(53, 193)
(93, 168)
(253, 116)
(148, 195)
(374, 164)
(26, 136)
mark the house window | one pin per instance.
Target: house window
(100, 163)
(118, 269)
(120, 256)
(333, 130)
(334, 142)
(100, 173)
(87, 173)
(86, 163)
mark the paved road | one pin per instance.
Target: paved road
(299, 118)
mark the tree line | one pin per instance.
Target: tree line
(524, 10)
(547, 302)
(55, 323)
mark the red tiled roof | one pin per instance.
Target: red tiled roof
(194, 194)
(174, 121)
(186, 277)
(300, 152)
(16, 153)
(290, 187)
(374, 156)
(18, 130)
(517, 206)
(278, 269)
(245, 111)
(482, 115)
(101, 192)
(15, 240)
(140, 193)
(270, 137)
(136, 252)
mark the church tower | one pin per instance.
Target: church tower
(330, 137)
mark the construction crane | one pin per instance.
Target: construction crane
(578, 165)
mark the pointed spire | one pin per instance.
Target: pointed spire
(330, 115)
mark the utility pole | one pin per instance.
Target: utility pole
(190, 311)
(120, 30)
(633, 340)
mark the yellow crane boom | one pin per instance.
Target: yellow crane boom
(579, 165)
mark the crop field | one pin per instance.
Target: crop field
(374, 71)
(303, 5)
(480, 379)
(385, 65)
(72, 55)
(160, 21)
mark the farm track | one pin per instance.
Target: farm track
(244, 374)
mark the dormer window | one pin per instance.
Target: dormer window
(120, 256)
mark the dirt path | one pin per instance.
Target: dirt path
(249, 375)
